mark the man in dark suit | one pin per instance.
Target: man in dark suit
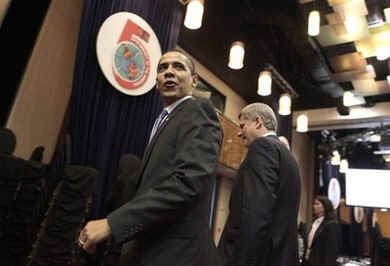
(169, 215)
(261, 229)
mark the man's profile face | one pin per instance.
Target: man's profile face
(174, 77)
(249, 129)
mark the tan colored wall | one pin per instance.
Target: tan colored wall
(383, 219)
(40, 104)
(222, 207)
(303, 149)
(234, 102)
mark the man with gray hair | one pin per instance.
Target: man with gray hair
(261, 229)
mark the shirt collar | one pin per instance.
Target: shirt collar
(270, 133)
(172, 106)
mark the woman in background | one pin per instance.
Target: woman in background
(322, 241)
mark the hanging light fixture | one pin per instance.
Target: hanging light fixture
(302, 123)
(236, 55)
(343, 166)
(194, 14)
(264, 83)
(314, 23)
(285, 104)
(348, 98)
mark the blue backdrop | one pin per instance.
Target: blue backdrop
(105, 123)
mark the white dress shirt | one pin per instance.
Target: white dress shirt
(317, 222)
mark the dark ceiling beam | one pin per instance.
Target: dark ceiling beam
(282, 83)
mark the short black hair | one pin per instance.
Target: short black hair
(190, 62)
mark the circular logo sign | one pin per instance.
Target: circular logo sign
(128, 52)
(334, 192)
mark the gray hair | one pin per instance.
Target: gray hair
(262, 110)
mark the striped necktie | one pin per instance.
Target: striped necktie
(160, 119)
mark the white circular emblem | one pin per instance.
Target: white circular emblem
(334, 192)
(128, 52)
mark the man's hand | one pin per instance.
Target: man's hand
(93, 233)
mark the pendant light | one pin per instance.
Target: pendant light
(236, 55)
(314, 23)
(302, 123)
(194, 14)
(285, 104)
(264, 83)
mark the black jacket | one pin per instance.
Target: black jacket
(325, 244)
(261, 229)
(169, 215)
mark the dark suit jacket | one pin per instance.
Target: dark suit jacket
(325, 245)
(169, 215)
(262, 225)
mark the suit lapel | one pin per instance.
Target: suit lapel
(153, 141)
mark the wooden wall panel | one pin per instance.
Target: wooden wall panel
(233, 147)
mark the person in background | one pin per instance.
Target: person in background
(322, 241)
(261, 229)
(169, 216)
(7, 141)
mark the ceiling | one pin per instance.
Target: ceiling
(318, 68)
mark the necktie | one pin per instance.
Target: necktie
(160, 119)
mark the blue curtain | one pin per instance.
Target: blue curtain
(105, 123)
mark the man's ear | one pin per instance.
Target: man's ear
(259, 122)
(195, 79)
